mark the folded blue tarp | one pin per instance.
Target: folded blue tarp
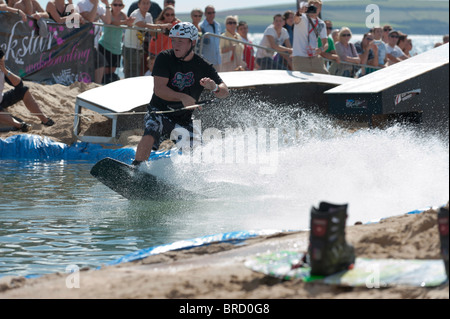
(33, 147)
(230, 237)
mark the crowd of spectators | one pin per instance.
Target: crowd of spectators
(296, 40)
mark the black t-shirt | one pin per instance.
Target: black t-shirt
(183, 77)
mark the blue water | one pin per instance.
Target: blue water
(54, 214)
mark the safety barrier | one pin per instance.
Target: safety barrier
(278, 60)
(153, 41)
(84, 54)
(139, 47)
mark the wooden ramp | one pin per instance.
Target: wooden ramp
(417, 87)
(115, 101)
(118, 99)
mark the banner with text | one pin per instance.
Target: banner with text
(64, 56)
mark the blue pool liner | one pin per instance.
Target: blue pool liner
(33, 147)
(235, 237)
(230, 237)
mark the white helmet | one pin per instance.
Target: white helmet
(185, 30)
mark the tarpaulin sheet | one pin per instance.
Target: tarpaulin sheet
(33, 147)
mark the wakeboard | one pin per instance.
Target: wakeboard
(370, 273)
(134, 183)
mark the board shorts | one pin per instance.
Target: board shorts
(111, 59)
(161, 127)
(13, 96)
(99, 61)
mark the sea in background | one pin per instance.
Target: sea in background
(54, 215)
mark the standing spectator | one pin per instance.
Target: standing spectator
(277, 38)
(393, 52)
(110, 43)
(5, 7)
(249, 52)
(368, 53)
(154, 10)
(288, 17)
(57, 10)
(377, 35)
(160, 41)
(92, 11)
(210, 47)
(347, 53)
(335, 35)
(386, 29)
(196, 16)
(133, 51)
(307, 31)
(31, 8)
(330, 40)
(408, 48)
(231, 52)
(169, 3)
(330, 53)
(147, 41)
(402, 41)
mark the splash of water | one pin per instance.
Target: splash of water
(379, 173)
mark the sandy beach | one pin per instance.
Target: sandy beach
(216, 271)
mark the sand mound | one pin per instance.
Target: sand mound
(58, 102)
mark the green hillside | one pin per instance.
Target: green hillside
(411, 17)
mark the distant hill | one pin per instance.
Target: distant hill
(411, 17)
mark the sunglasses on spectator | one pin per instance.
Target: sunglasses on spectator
(211, 12)
(369, 39)
(387, 29)
(197, 15)
(169, 14)
(231, 22)
(347, 35)
(329, 28)
(117, 5)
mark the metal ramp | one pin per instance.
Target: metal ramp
(118, 100)
(417, 86)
